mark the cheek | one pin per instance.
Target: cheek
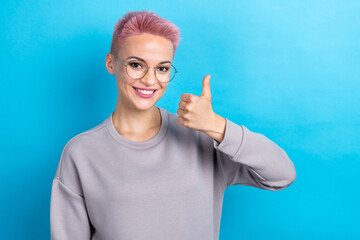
(164, 86)
(124, 80)
(162, 91)
(124, 85)
(123, 77)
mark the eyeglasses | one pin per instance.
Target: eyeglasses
(137, 69)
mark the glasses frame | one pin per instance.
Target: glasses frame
(147, 69)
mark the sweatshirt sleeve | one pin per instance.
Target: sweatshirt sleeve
(68, 213)
(249, 158)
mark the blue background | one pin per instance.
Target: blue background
(287, 69)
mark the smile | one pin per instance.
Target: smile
(144, 93)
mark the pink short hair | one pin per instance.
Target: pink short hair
(138, 22)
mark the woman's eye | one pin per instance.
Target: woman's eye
(135, 65)
(163, 69)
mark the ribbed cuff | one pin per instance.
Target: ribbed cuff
(232, 141)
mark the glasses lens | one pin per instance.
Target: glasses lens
(136, 69)
(165, 73)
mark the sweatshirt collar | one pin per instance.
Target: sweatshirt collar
(140, 145)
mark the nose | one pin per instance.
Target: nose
(150, 77)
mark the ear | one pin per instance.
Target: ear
(109, 64)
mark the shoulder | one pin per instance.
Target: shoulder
(85, 140)
(75, 153)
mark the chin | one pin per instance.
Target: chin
(143, 106)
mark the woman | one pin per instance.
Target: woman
(146, 173)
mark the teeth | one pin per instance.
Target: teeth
(144, 91)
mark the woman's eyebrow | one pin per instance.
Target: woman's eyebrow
(140, 59)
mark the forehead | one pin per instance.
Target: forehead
(151, 48)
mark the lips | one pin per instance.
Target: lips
(143, 95)
(147, 89)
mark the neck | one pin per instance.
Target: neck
(130, 120)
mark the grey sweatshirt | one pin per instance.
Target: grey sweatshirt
(170, 187)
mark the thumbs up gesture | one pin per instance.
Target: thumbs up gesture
(196, 113)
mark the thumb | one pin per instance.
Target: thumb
(206, 87)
